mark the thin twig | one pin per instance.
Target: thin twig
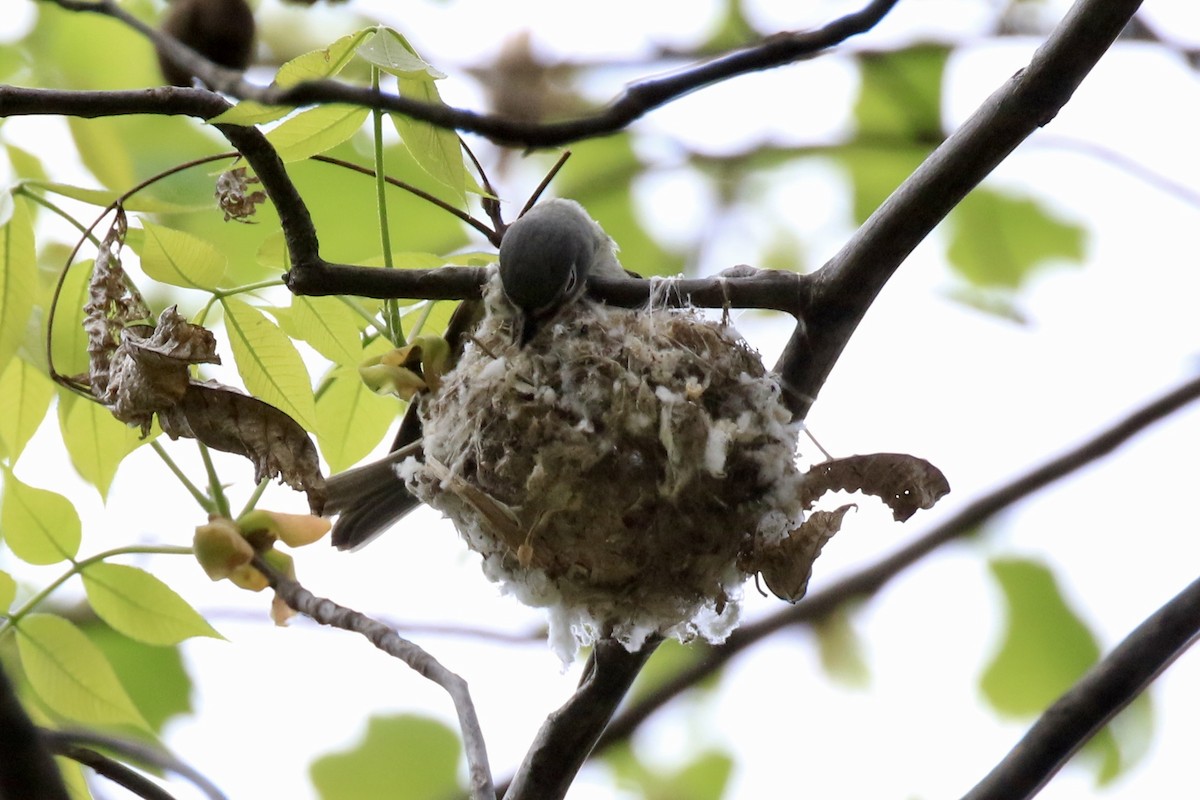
(330, 613)
(868, 581)
(1095, 699)
(115, 771)
(133, 750)
(634, 102)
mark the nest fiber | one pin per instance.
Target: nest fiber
(616, 469)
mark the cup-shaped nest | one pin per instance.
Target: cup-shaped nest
(616, 469)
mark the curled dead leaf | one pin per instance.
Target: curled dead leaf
(225, 419)
(787, 565)
(906, 483)
(234, 196)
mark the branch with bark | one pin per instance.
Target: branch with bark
(327, 612)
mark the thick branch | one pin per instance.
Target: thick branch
(870, 580)
(568, 735)
(327, 612)
(636, 101)
(845, 287)
(1099, 695)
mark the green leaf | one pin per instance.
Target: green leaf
(900, 96)
(1046, 649)
(1046, 646)
(324, 63)
(103, 150)
(18, 279)
(402, 758)
(316, 130)
(353, 419)
(268, 362)
(392, 53)
(8, 591)
(96, 440)
(841, 650)
(142, 607)
(249, 112)
(1000, 240)
(154, 677)
(437, 150)
(670, 660)
(26, 393)
(69, 341)
(180, 259)
(876, 171)
(703, 778)
(106, 197)
(328, 325)
(71, 675)
(40, 526)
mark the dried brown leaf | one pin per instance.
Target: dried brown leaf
(112, 305)
(787, 565)
(906, 483)
(225, 419)
(148, 372)
(234, 197)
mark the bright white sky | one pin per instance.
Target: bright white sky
(979, 397)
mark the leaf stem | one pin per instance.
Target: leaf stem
(220, 501)
(391, 310)
(205, 502)
(78, 567)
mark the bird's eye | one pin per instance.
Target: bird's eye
(572, 277)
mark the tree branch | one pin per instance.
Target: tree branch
(330, 613)
(868, 581)
(568, 735)
(114, 770)
(147, 755)
(635, 102)
(845, 287)
(1099, 695)
(27, 769)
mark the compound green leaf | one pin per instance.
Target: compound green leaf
(96, 441)
(401, 757)
(269, 363)
(71, 675)
(142, 607)
(997, 240)
(180, 259)
(40, 526)
(105, 198)
(18, 279)
(316, 130)
(353, 419)
(25, 394)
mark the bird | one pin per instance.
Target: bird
(546, 257)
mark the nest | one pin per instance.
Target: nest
(617, 469)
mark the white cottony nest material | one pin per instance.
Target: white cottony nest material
(619, 468)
